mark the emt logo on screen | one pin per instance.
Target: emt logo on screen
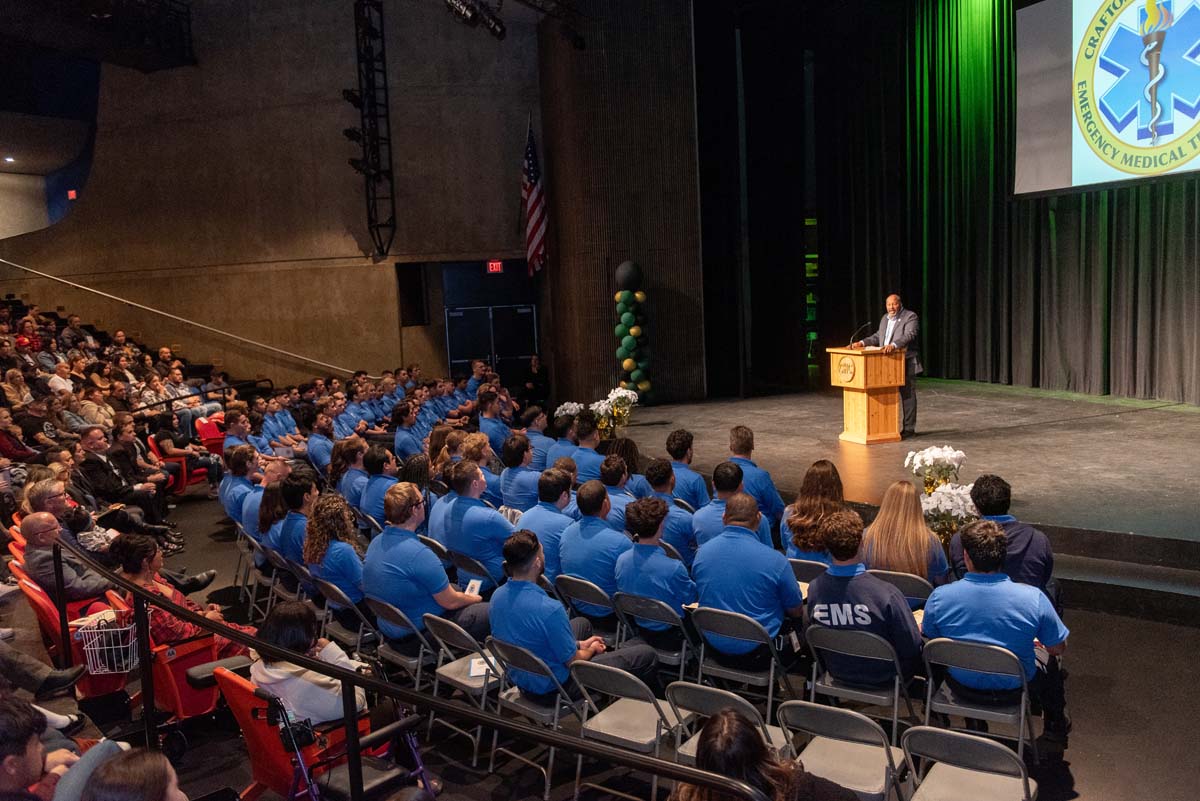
(1136, 87)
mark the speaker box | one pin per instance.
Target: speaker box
(414, 298)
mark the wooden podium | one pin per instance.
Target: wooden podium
(870, 382)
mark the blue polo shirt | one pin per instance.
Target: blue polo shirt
(638, 486)
(733, 573)
(436, 522)
(320, 451)
(352, 485)
(343, 424)
(341, 567)
(272, 537)
(251, 504)
(588, 550)
(494, 494)
(407, 443)
(523, 614)
(541, 449)
(646, 570)
(991, 608)
(678, 531)
(588, 463)
(479, 532)
(757, 482)
(548, 523)
(709, 521)
(234, 493)
(689, 485)
(274, 427)
(261, 444)
(398, 569)
(371, 501)
(473, 387)
(848, 597)
(519, 487)
(291, 537)
(232, 441)
(496, 432)
(561, 447)
(618, 499)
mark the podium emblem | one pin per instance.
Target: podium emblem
(846, 369)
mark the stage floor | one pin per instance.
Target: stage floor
(1096, 463)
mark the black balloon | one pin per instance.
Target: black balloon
(629, 276)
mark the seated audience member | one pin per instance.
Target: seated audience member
(758, 483)
(476, 448)
(435, 515)
(237, 432)
(167, 361)
(732, 572)
(12, 446)
(41, 531)
(235, 486)
(332, 553)
(587, 460)
(564, 443)
(475, 529)
(731, 745)
(689, 485)
(100, 375)
(899, 539)
(51, 356)
(614, 475)
(135, 775)
(381, 467)
(125, 455)
(406, 442)
(846, 596)
(280, 427)
(141, 560)
(1029, 558)
(709, 521)
(449, 454)
(351, 477)
(60, 380)
(986, 606)
(16, 391)
(490, 422)
(73, 337)
(27, 771)
(820, 495)
(174, 444)
(546, 519)
(272, 511)
(36, 427)
(567, 465)
(400, 570)
(535, 386)
(646, 569)
(273, 471)
(677, 530)
(523, 614)
(627, 449)
(534, 421)
(588, 548)
(121, 345)
(118, 397)
(106, 482)
(306, 694)
(519, 481)
(299, 494)
(320, 443)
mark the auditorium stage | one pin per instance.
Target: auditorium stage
(1074, 461)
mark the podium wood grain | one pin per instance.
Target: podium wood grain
(870, 382)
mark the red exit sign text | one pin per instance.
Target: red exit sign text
(495, 267)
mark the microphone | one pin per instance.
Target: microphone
(867, 324)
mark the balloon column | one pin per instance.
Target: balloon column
(633, 352)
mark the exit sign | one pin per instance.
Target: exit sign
(495, 267)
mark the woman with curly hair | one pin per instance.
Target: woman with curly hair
(627, 449)
(900, 540)
(332, 553)
(477, 448)
(820, 495)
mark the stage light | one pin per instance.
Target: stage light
(352, 97)
(495, 25)
(353, 134)
(9, 159)
(464, 10)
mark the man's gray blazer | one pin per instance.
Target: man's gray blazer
(903, 336)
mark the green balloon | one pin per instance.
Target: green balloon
(622, 354)
(621, 309)
(629, 318)
(624, 296)
(629, 343)
(621, 331)
(637, 375)
(643, 363)
(633, 354)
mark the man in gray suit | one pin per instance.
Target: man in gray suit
(898, 329)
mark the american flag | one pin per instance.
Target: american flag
(533, 201)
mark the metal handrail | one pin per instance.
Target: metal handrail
(350, 680)
(222, 395)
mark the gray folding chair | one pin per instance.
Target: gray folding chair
(575, 591)
(736, 626)
(514, 657)
(635, 720)
(261, 577)
(414, 666)
(684, 505)
(861, 645)
(437, 487)
(364, 638)
(911, 586)
(964, 766)
(469, 564)
(545, 584)
(367, 523)
(632, 608)
(245, 562)
(510, 514)
(438, 549)
(670, 550)
(456, 653)
(946, 653)
(846, 747)
(806, 570)
(691, 700)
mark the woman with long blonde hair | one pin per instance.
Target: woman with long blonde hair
(332, 553)
(900, 540)
(820, 495)
(477, 448)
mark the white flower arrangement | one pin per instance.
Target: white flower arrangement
(570, 407)
(623, 397)
(948, 508)
(602, 408)
(936, 457)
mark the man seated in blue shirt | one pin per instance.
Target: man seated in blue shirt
(490, 422)
(986, 606)
(677, 530)
(646, 569)
(709, 521)
(475, 529)
(1029, 558)
(846, 596)
(241, 462)
(734, 571)
(523, 614)
(320, 443)
(614, 475)
(689, 485)
(398, 569)
(757, 481)
(589, 549)
(534, 421)
(567, 465)
(518, 482)
(299, 493)
(564, 444)
(546, 519)
(276, 470)
(237, 432)
(381, 467)
(406, 442)
(352, 483)
(587, 461)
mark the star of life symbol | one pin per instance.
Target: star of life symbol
(1136, 88)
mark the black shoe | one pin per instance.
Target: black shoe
(197, 582)
(75, 726)
(907, 434)
(58, 681)
(169, 548)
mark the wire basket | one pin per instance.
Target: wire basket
(110, 644)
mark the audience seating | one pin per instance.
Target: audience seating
(690, 701)
(471, 565)
(210, 435)
(630, 607)
(458, 651)
(575, 590)
(805, 570)
(364, 639)
(739, 627)
(845, 747)
(964, 766)
(913, 587)
(187, 477)
(414, 666)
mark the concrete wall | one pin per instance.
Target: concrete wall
(221, 193)
(22, 204)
